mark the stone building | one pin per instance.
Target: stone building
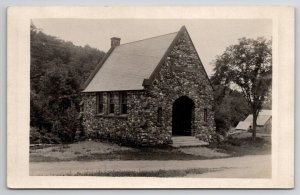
(146, 92)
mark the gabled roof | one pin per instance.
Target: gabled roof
(243, 125)
(262, 119)
(131, 65)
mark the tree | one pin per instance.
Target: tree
(247, 67)
(230, 107)
(57, 70)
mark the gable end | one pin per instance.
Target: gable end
(148, 82)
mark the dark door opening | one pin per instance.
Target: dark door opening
(182, 116)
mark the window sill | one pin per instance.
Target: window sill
(100, 114)
(125, 116)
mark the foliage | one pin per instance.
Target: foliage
(58, 69)
(39, 137)
(247, 66)
(230, 108)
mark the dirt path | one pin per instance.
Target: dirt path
(237, 167)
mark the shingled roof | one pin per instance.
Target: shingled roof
(262, 119)
(128, 65)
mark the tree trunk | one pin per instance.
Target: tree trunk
(254, 126)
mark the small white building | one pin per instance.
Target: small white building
(264, 122)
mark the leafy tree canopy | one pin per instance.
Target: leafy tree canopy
(230, 108)
(58, 69)
(247, 66)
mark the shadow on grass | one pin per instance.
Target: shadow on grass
(143, 154)
(244, 146)
(41, 158)
(159, 173)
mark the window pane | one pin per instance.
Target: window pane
(205, 115)
(124, 98)
(111, 98)
(159, 116)
(123, 102)
(111, 108)
(100, 103)
(111, 104)
(100, 98)
(124, 108)
(100, 108)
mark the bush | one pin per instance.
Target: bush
(41, 137)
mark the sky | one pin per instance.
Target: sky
(210, 36)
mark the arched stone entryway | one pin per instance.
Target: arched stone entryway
(182, 116)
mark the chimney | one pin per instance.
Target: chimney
(115, 41)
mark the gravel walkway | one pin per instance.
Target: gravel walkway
(256, 166)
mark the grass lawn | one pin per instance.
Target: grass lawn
(236, 146)
(92, 150)
(159, 173)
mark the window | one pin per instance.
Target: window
(159, 116)
(111, 105)
(123, 103)
(100, 103)
(205, 114)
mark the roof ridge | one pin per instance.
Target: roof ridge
(148, 38)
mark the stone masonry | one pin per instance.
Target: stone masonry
(181, 74)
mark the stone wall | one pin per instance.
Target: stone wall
(183, 75)
(129, 129)
(180, 75)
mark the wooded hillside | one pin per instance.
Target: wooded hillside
(58, 69)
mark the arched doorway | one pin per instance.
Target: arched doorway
(182, 116)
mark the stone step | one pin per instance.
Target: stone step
(184, 138)
(195, 139)
(176, 145)
(183, 141)
(179, 141)
(186, 141)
